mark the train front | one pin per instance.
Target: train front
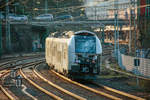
(86, 55)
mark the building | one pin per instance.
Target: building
(144, 23)
(106, 10)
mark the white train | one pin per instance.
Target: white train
(78, 56)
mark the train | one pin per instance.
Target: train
(77, 57)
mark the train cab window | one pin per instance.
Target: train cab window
(85, 44)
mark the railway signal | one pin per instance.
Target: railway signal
(18, 81)
(13, 73)
(8, 40)
(136, 62)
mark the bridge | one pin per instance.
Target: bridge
(41, 23)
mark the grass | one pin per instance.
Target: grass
(106, 73)
(112, 76)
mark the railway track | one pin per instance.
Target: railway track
(123, 95)
(107, 63)
(35, 90)
(82, 92)
(107, 50)
(15, 57)
(5, 94)
(113, 92)
(51, 89)
(27, 91)
(55, 90)
(11, 91)
(49, 85)
(130, 78)
(11, 63)
(104, 90)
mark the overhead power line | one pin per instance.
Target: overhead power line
(8, 3)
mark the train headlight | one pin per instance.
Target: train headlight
(95, 57)
(77, 61)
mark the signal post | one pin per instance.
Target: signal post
(0, 38)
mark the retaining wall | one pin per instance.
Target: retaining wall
(127, 63)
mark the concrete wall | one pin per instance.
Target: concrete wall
(127, 63)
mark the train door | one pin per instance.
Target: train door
(62, 56)
(64, 59)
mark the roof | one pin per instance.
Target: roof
(84, 31)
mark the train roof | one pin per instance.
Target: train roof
(84, 31)
(68, 34)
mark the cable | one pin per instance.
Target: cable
(73, 7)
(64, 9)
(80, 6)
(8, 3)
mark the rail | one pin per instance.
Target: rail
(3, 89)
(119, 92)
(6, 93)
(40, 88)
(58, 87)
(17, 59)
(88, 88)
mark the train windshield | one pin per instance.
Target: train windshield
(85, 44)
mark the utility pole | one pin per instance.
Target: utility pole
(133, 24)
(115, 46)
(8, 40)
(132, 33)
(103, 35)
(116, 28)
(15, 5)
(23, 9)
(0, 38)
(57, 3)
(95, 13)
(118, 51)
(46, 6)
